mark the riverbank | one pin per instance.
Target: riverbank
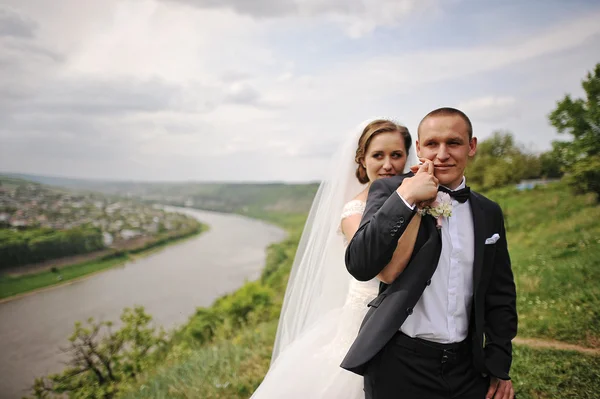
(14, 286)
(169, 284)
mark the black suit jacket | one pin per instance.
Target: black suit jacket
(493, 320)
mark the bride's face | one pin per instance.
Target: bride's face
(385, 156)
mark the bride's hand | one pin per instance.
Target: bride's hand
(422, 187)
(415, 168)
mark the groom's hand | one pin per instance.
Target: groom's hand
(422, 187)
(500, 389)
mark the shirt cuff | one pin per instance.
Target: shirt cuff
(412, 207)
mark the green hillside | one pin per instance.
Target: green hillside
(554, 241)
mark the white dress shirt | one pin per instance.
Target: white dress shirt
(442, 313)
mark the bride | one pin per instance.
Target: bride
(324, 305)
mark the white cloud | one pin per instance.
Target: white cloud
(360, 18)
(218, 91)
(487, 102)
(355, 17)
(149, 39)
(409, 70)
(14, 24)
(491, 108)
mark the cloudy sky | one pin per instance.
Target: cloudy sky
(260, 90)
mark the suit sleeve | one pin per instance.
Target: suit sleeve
(384, 221)
(500, 311)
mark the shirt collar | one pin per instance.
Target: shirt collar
(462, 184)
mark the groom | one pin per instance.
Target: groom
(443, 328)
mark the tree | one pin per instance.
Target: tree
(551, 164)
(581, 119)
(500, 161)
(101, 359)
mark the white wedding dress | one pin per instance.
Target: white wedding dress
(309, 367)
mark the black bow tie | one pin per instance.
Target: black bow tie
(461, 195)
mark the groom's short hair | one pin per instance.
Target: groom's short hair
(448, 111)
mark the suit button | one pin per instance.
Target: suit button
(409, 311)
(401, 219)
(428, 283)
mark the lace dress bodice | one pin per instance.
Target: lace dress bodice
(360, 293)
(354, 207)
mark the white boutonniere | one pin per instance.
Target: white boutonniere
(441, 207)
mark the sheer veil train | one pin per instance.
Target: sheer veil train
(319, 281)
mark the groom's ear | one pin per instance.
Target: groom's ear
(472, 147)
(418, 145)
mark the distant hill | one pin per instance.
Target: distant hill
(246, 198)
(65, 182)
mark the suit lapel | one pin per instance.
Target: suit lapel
(479, 235)
(425, 230)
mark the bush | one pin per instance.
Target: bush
(584, 175)
(253, 302)
(101, 360)
(500, 161)
(203, 325)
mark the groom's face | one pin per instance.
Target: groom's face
(445, 141)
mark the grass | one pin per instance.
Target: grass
(234, 368)
(554, 243)
(546, 374)
(11, 286)
(226, 369)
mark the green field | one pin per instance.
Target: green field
(234, 368)
(554, 242)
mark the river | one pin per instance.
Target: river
(170, 284)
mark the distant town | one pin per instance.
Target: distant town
(25, 205)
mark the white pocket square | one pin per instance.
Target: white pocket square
(492, 239)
